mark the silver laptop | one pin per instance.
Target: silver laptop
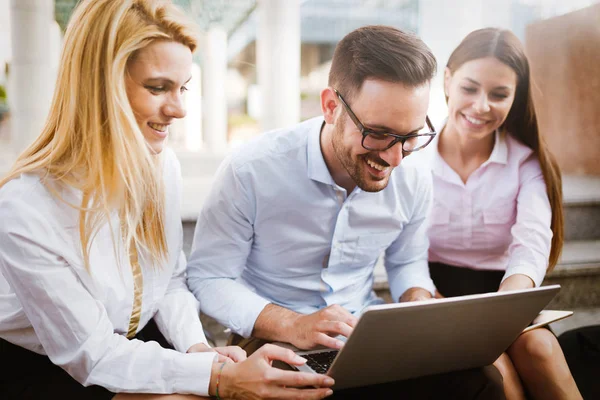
(394, 342)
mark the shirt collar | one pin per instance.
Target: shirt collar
(317, 169)
(500, 152)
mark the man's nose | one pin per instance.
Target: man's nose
(393, 155)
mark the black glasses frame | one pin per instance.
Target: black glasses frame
(397, 138)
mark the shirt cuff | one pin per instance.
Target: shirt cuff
(178, 316)
(531, 271)
(190, 336)
(191, 372)
(248, 309)
(397, 289)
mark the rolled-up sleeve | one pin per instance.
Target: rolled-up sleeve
(406, 259)
(73, 327)
(531, 234)
(222, 242)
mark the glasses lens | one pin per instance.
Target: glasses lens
(416, 143)
(381, 142)
(374, 141)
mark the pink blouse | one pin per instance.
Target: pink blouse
(499, 220)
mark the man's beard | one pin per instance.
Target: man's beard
(357, 168)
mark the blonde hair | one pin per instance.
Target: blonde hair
(91, 140)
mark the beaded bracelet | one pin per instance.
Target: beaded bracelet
(218, 380)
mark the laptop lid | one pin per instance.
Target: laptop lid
(400, 341)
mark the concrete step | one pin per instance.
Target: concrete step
(578, 258)
(578, 273)
(582, 221)
(582, 207)
(581, 317)
(581, 190)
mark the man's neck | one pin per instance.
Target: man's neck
(336, 169)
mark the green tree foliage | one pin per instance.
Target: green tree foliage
(63, 10)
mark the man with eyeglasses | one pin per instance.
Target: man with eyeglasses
(286, 243)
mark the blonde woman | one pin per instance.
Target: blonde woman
(92, 273)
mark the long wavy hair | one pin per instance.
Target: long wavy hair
(521, 121)
(91, 140)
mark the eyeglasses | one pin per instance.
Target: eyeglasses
(381, 141)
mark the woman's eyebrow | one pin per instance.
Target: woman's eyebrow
(473, 81)
(164, 79)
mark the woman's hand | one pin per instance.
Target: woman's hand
(415, 294)
(516, 282)
(226, 354)
(255, 378)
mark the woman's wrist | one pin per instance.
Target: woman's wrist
(517, 282)
(214, 373)
(199, 347)
(220, 380)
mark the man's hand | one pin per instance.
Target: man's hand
(226, 354)
(279, 324)
(415, 294)
(321, 327)
(516, 282)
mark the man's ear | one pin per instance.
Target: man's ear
(329, 103)
(447, 79)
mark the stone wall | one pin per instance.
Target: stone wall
(564, 53)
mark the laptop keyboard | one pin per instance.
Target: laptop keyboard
(320, 362)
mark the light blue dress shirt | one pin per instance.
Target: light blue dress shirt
(276, 228)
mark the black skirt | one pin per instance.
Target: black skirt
(28, 375)
(454, 281)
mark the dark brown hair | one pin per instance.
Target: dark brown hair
(380, 52)
(521, 121)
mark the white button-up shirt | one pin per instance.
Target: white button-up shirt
(277, 229)
(499, 219)
(50, 303)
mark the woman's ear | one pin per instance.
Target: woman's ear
(329, 103)
(447, 79)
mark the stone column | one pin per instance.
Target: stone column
(32, 75)
(278, 62)
(214, 101)
(193, 120)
